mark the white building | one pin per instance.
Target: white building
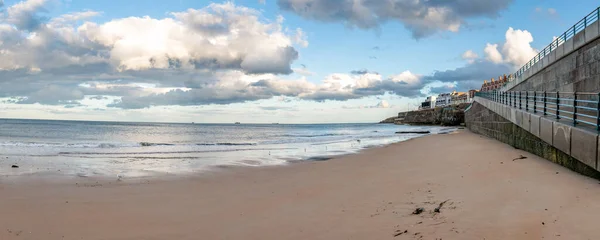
(428, 103)
(443, 99)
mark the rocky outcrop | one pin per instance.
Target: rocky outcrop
(389, 120)
(447, 116)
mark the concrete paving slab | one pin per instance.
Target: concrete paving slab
(562, 137)
(526, 123)
(591, 32)
(534, 125)
(578, 40)
(584, 146)
(546, 132)
(568, 45)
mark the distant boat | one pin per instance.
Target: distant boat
(193, 123)
(275, 123)
(237, 123)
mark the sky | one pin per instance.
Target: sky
(260, 61)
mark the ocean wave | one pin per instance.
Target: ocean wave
(63, 145)
(171, 152)
(226, 144)
(311, 135)
(149, 144)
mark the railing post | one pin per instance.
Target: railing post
(574, 108)
(510, 99)
(545, 103)
(526, 101)
(557, 105)
(534, 102)
(598, 112)
(520, 93)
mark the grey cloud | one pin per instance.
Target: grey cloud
(472, 75)
(359, 72)
(398, 88)
(25, 15)
(99, 97)
(189, 98)
(362, 72)
(422, 18)
(442, 89)
(280, 64)
(54, 95)
(335, 96)
(275, 108)
(61, 58)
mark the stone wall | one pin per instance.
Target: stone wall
(484, 121)
(578, 71)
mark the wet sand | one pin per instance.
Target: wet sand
(370, 195)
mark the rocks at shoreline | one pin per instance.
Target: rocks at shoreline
(413, 132)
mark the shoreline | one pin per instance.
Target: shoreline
(54, 176)
(368, 195)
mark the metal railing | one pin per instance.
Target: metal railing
(578, 108)
(572, 31)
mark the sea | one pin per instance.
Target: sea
(132, 149)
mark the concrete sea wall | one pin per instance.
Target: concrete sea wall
(573, 66)
(527, 133)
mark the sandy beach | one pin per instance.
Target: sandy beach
(488, 190)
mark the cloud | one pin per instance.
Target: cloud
(361, 72)
(262, 1)
(73, 17)
(193, 49)
(383, 104)
(300, 38)
(470, 56)
(472, 75)
(233, 88)
(422, 18)
(492, 54)
(24, 15)
(303, 71)
(516, 50)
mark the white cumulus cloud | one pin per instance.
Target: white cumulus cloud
(470, 56)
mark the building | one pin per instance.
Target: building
(492, 85)
(428, 103)
(443, 99)
(459, 97)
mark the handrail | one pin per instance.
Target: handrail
(571, 32)
(573, 106)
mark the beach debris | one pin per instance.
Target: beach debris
(414, 132)
(543, 223)
(400, 232)
(418, 211)
(520, 157)
(437, 209)
(14, 166)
